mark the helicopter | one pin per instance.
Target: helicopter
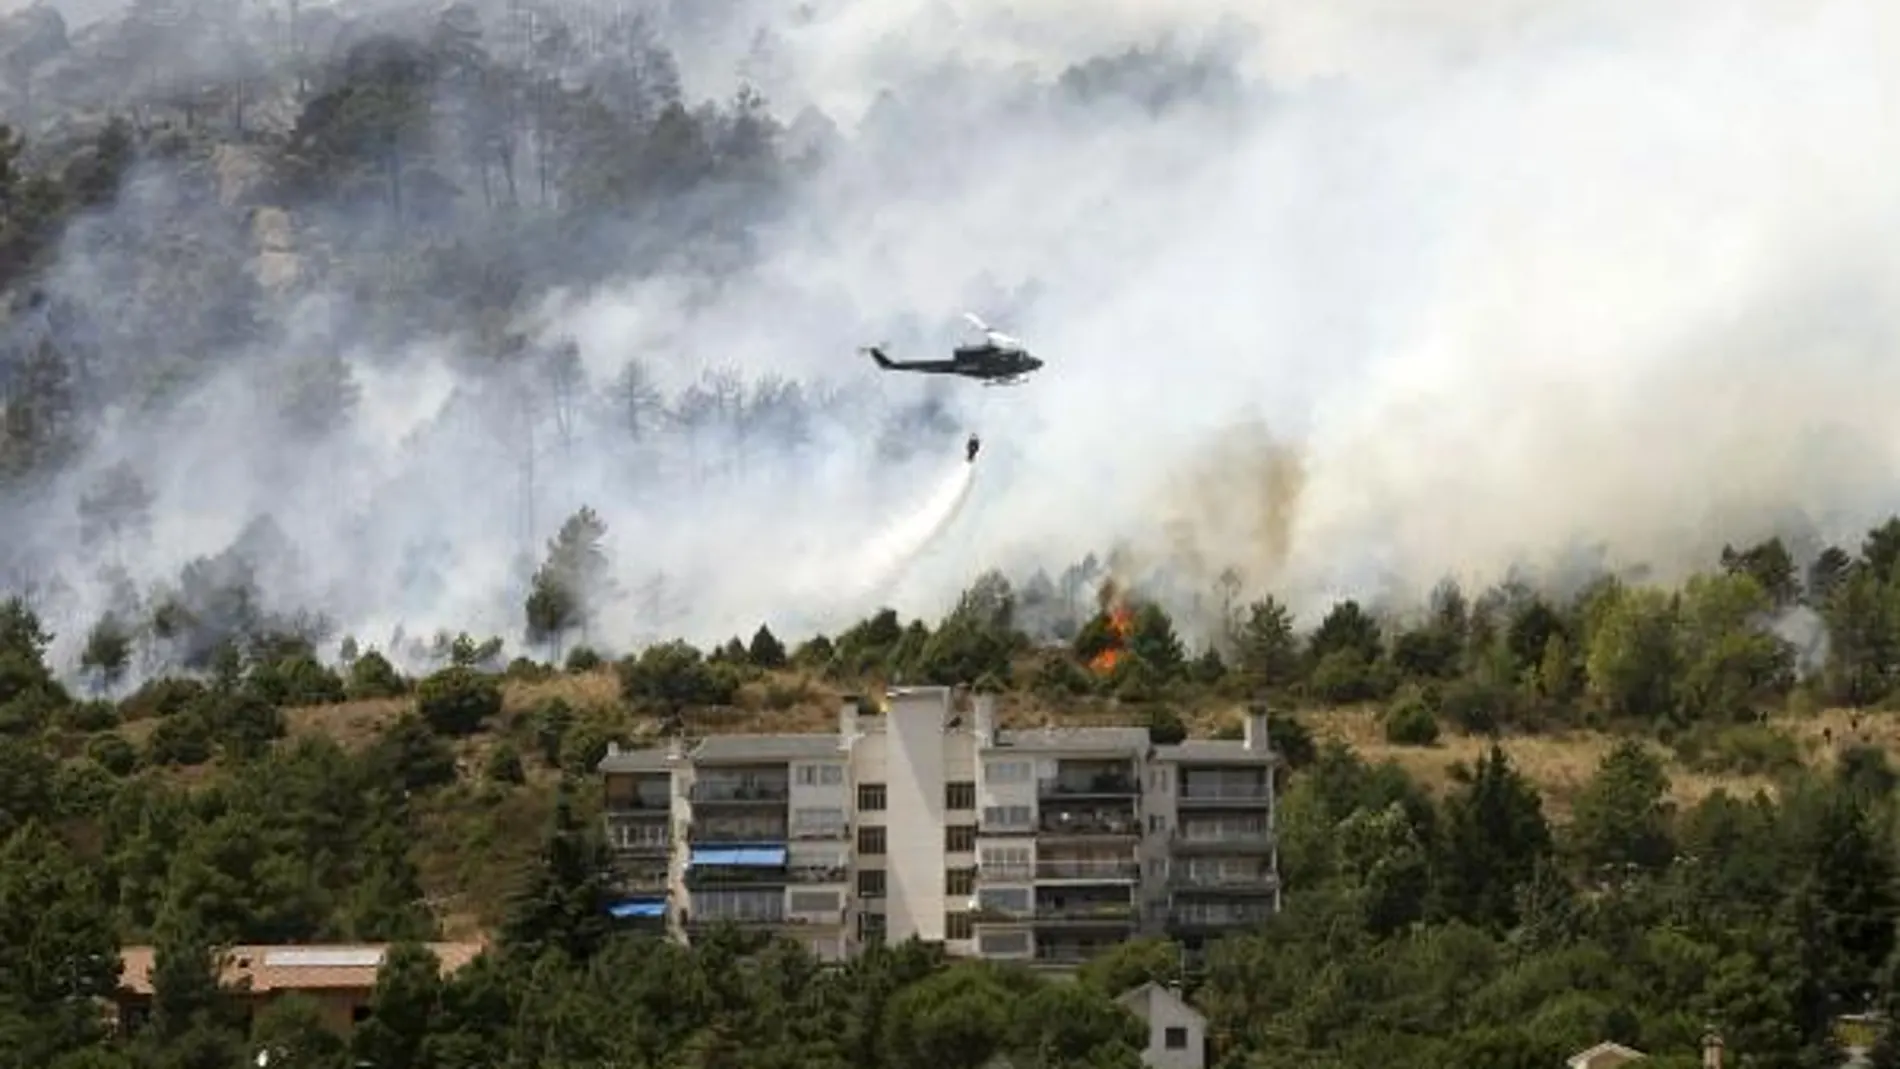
(999, 360)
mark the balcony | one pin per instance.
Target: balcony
(1115, 870)
(1206, 795)
(708, 831)
(634, 803)
(819, 874)
(1204, 919)
(1203, 839)
(1095, 785)
(1090, 823)
(1240, 882)
(701, 921)
(813, 832)
(740, 794)
(1023, 873)
(998, 913)
(1119, 913)
(645, 838)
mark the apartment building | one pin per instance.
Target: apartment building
(926, 820)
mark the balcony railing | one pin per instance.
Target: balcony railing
(736, 876)
(739, 793)
(700, 832)
(1192, 792)
(1107, 785)
(999, 827)
(1088, 869)
(743, 920)
(1204, 919)
(820, 874)
(991, 913)
(821, 831)
(1086, 823)
(1023, 873)
(1113, 912)
(1223, 839)
(637, 804)
(1221, 881)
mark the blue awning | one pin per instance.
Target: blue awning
(739, 856)
(638, 907)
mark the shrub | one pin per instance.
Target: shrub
(455, 701)
(114, 754)
(504, 765)
(372, 676)
(1408, 721)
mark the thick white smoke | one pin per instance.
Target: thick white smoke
(1443, 288)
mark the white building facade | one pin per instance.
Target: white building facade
(925, 820)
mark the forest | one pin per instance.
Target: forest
(194, 191)
(1467, 923)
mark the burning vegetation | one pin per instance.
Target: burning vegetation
(1104, 643)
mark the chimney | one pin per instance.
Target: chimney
(847, 717)
(1254, 731)
(613, 748)
(1711, 1051)
(983, 709)
(675, 749)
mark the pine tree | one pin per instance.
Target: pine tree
(571, 584)
(563, 903)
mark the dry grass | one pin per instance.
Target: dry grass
(1558, 763)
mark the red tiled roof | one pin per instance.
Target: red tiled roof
(295, 968)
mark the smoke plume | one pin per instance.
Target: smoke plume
(1348, 298)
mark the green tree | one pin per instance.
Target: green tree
(457, 700)
(563, 903)
(571, 584)
(1622, 817)
(402, 1009)
(59, 952)
(766, 651)
(1494, 837)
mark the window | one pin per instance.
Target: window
(815, 902)
(959, 838)
(871, 840)
(1158, 780)
(1175, 1038)
(820, 775)
(871, 927)
(959, 882)
(959, 797)
(1006, 818)
(1003, 899)
(817, 823)
(870, 883)
(1006, 771)
(1005, 863)
(958, 926)
(359, 1014)
(871, 797)
(996, 944)
(1157, 823)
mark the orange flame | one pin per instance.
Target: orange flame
(1121, 621)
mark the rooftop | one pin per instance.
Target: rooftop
(294, 968)
(768, 747)
(1065, 740)
(619, 760)
(1212, 751)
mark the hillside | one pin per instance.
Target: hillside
(473, 838)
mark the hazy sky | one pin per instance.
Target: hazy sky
(1451, 287)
